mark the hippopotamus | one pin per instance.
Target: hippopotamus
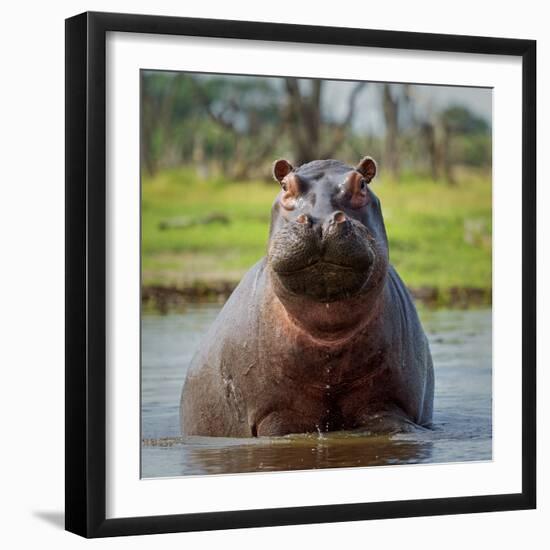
(321, 334)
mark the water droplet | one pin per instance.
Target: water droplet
(319, 432)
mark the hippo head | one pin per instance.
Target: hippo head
(328, 242)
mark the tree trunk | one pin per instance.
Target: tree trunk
(428, 132)
(146, 142)
(391, 117)
(447, 164)
(304, 120)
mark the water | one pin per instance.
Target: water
(461, 348)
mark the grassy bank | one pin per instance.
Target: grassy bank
(440, 235)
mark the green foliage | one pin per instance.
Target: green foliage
(208, 121)
(237, 125)
(471, 141)
(472, 150)
(463, 121)
(440, 235)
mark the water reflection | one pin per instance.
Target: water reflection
(226, 456)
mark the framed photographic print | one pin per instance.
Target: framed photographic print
(300, 274)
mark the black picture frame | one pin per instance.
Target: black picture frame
(86, 274)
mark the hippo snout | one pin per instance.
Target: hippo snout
(295, 246)
(336, 220)
(325, 260)
(336, 239)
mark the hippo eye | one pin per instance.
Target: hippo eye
(363, 185)
(284, 186)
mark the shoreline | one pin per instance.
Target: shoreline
(165, 298)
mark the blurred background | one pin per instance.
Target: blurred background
(208, 143)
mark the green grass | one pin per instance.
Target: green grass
(440, 235)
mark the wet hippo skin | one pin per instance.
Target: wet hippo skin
(321, 334)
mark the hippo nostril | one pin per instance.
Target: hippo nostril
(302, 218)
(334, 223)
(338, 217)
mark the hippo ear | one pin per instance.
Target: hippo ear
(281, 168)
(367, 167)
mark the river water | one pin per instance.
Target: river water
(460, 342)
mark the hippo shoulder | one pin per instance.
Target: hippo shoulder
(237, 319)
(241, 307)
(399, 291)
(403, 316)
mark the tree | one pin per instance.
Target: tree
(159, 94)
(247, 110)
(455, 121)
(451, 136)
(396, 105)
(391, 106)
(304, 120)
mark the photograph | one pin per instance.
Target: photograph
(316, 273)
(275, 275)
